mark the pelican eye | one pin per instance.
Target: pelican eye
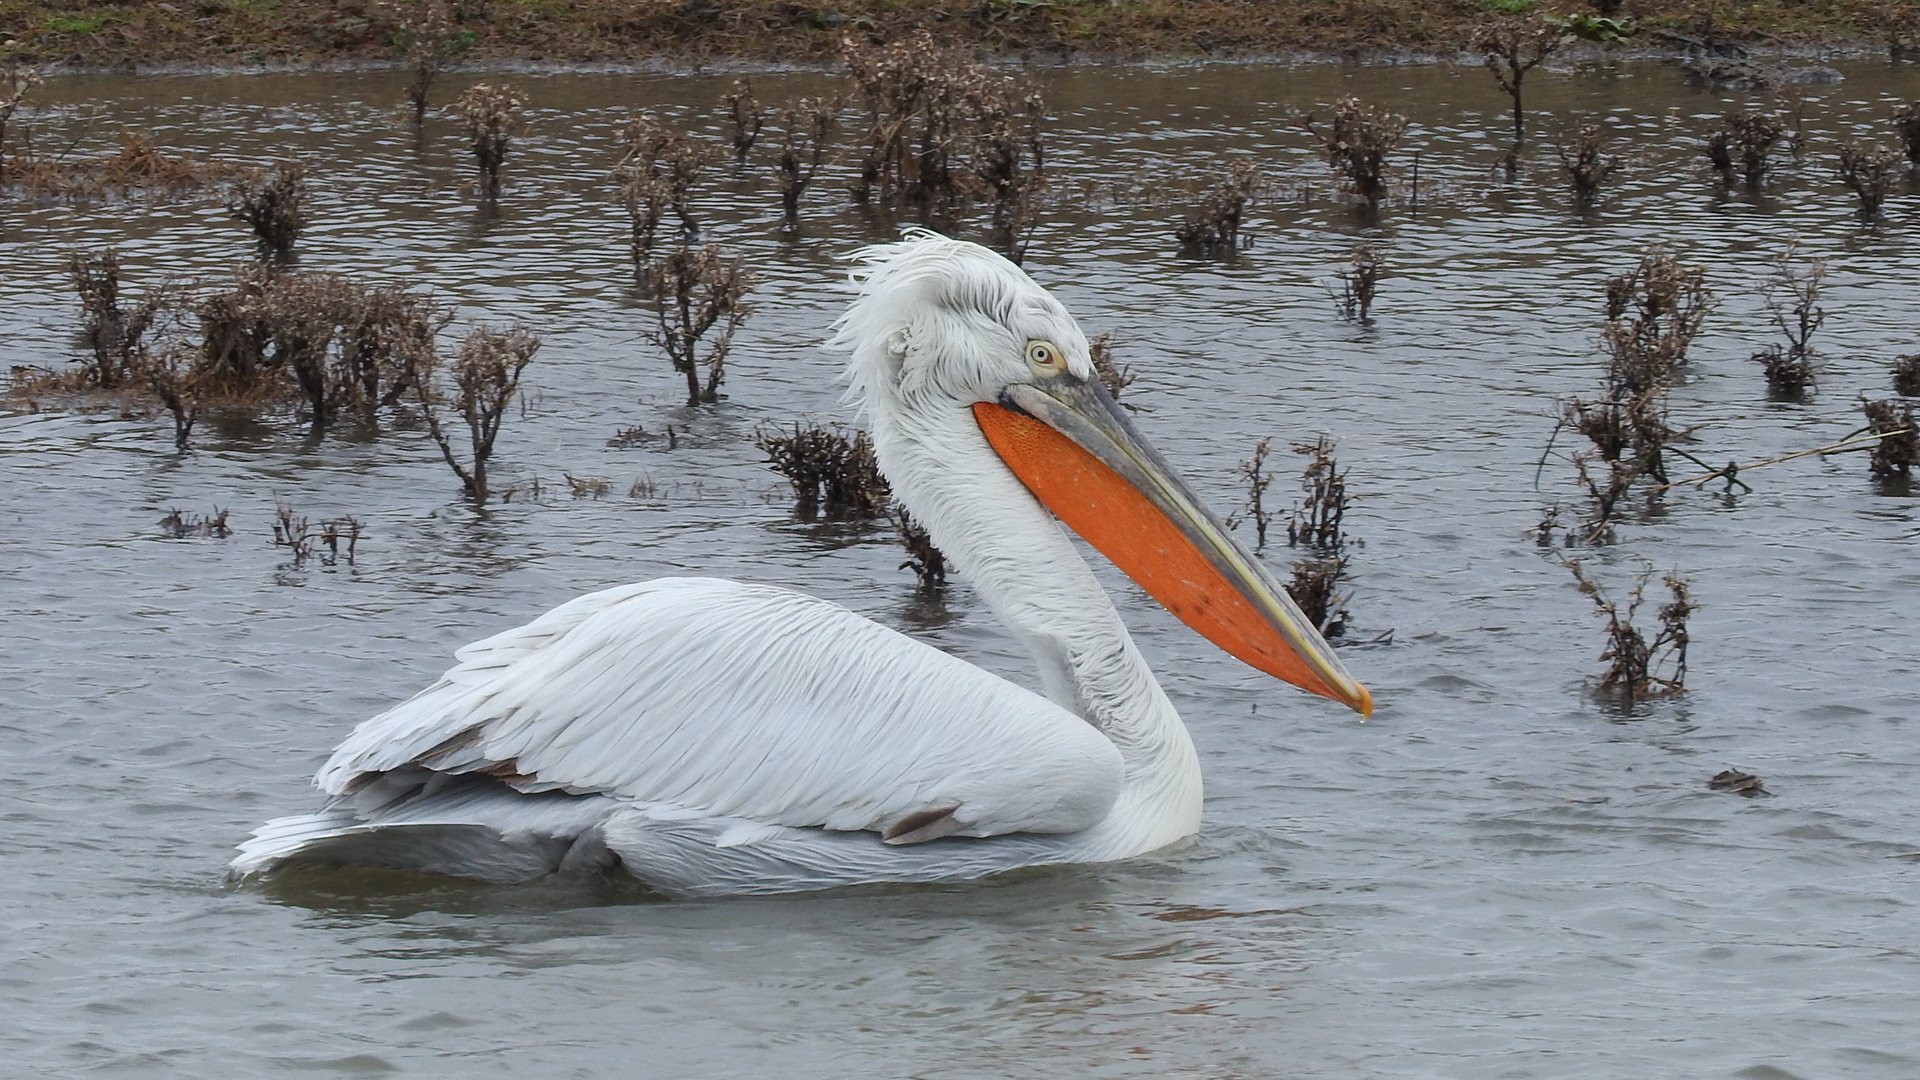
(1046, 355)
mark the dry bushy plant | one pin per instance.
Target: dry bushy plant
(828, 470)
(806, 130)
(487, 113)
(942, 127)
(1115, 377)
(429, 41)
(1868, 171)
(1906, 120)
(1747, 137)
(299, 537)
(1586, 163)
(1906, 375)
(1898, 450)
(657, 170)
(17, 80)
(1316, 589)
(1639, 667)
(114, 333)
(693, 291)
(344, 346)
(269, 202)
(1254, 472)
(1510, 49)
(1356, 142)
(1653, 314)
(745, 116)
(1214, 226)
(1793, 300)
(486, 376)
(170, 376)
(928, 563)
(1366, 265)
(1316, 521)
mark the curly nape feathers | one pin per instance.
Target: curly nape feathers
(943, 317)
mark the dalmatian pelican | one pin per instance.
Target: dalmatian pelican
(714, 737)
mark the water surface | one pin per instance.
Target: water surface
(1497, 876)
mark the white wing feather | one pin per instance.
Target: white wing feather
(725, 699)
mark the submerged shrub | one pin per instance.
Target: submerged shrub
(828, 470)
(1214, 226)
(270, 203)
(486, 376)
(487, 112)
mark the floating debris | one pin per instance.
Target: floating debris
(1736, 782)
(180, 525)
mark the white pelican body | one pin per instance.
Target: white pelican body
(712, 737)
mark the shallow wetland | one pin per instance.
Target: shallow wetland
(1501, 874)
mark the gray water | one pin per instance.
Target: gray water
(1499, 876)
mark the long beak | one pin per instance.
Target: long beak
(1079, 455)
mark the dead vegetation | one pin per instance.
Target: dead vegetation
(944, 129)
(1510, 49)
(1213, 227)
(1315, 522)
(180, 525)
(1639, 667)
(17, 80)
(270, 203)
(1114, 376)
(299, 537)
(1744, 144)
(1586, 164)
(745, 116)
(1906, 375)
(829, 471)
(1898, 448)
(694, 291)
(806, 129)
(1793, 300)
(137, 169)
(344, 347)
(928, 563)
(486, 376)
(1906, 121)
(1359, 279)
(1868, 171)
(587, 487)
(835, 474)
(115, 333)
(487, 113)
(1356, 141)
(1254, 472)
(429, 41)
(656, 175)
(1735, 782)
(1652, 313)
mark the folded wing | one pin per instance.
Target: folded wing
(717, 698)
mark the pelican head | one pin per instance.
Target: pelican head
(949, 335)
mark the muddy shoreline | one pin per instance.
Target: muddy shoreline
(268, 34)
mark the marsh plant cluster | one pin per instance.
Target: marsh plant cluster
(924, 132)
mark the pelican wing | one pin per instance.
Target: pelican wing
(722, 699)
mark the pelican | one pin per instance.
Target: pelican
(715, 737)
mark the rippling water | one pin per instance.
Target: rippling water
(1498, 876)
